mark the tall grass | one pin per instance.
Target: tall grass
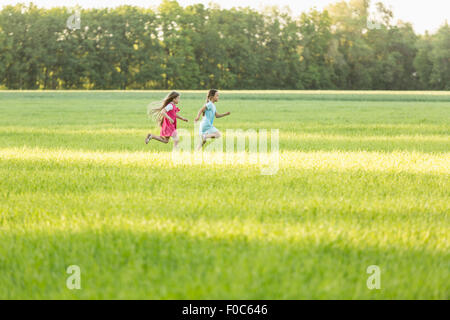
(361, 182)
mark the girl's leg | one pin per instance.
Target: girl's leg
(160, 139)
(148, 138)
(214, 135)
(175, 139)
(202, 142)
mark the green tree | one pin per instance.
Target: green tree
(316, 61)
(422, 62)
(440, 57)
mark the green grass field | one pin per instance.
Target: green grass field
(363, 180)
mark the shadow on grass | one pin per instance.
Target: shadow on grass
(152, 265)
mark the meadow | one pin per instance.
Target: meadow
(363, 180)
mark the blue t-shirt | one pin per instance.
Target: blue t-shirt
(210, 114)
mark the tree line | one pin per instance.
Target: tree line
(198, 47)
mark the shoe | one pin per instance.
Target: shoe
(149, 137)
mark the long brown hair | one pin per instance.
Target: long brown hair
(155, 108)
(211, 93)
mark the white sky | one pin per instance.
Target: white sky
(423, 14)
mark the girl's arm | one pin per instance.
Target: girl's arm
(220, 115)
(200, 112)
(165, 115)
(181, 118)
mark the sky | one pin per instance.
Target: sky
(423, 14)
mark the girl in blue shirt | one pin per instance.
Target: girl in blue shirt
(207, 130)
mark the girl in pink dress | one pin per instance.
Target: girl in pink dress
(166, 116)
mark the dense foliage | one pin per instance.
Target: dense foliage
(198, 47)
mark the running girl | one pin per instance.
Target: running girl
(166, 116)
(207, 130)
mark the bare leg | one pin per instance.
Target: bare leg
(214, 135)
(202, 142)
(161, 139)
(148, 138)
(175, 140)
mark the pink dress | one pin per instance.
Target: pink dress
(168, 129)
